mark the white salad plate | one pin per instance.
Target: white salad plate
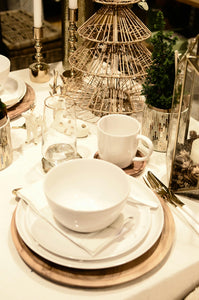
(50, 245)
(13, 92)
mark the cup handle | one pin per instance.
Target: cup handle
(149, 148)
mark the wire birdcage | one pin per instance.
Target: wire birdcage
(112, 61)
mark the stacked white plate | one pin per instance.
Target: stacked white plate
(13, 92)
(50, 244)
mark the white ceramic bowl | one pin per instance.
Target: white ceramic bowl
(86, 195)
(4, 70)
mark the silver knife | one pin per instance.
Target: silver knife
(175, 199)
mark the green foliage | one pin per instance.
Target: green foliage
(3, 110)
(159, 82)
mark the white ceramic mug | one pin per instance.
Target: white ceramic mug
(4, 71)
(118, 138)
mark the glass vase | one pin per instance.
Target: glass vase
(183, 145)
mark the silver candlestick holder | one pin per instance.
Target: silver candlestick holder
(72, 38)
(39, 71)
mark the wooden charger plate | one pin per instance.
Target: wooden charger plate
(100, 278)
(20, 107)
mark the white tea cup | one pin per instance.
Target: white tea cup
(4, 71)
(118, 138)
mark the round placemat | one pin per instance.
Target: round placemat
(28, 99)
(135, 168)
(101, 277)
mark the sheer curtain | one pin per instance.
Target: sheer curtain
(20, 4)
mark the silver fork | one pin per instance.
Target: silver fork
(153, 186)
(172, 197)
(167, 197)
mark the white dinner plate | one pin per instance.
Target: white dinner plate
(157, 222)
(46, 235)
(13, 91)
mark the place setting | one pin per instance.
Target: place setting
(135, 238)
(23, 102)
(88, 215)
(12, 89)
(14, 92)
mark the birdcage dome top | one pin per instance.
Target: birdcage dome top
(114, 25)
(117, 2)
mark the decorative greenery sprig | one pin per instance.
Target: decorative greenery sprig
(159, 82)
(3, 110)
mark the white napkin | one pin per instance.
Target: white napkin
(94, 242)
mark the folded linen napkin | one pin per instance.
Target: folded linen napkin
(92, 243)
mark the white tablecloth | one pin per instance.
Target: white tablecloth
(173, 279)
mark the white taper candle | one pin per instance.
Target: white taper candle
(38, 13)
(73, 4)
(195, 151)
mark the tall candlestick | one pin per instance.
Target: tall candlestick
(39, 71)
(38, 12)
(73, 4)
(72, 37)
(195, 151)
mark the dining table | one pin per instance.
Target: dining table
(173, 278)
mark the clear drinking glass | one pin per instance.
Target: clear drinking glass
(58, 130)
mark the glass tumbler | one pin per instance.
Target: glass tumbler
(58, 130)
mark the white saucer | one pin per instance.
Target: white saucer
(157, 222)
(13, 92)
